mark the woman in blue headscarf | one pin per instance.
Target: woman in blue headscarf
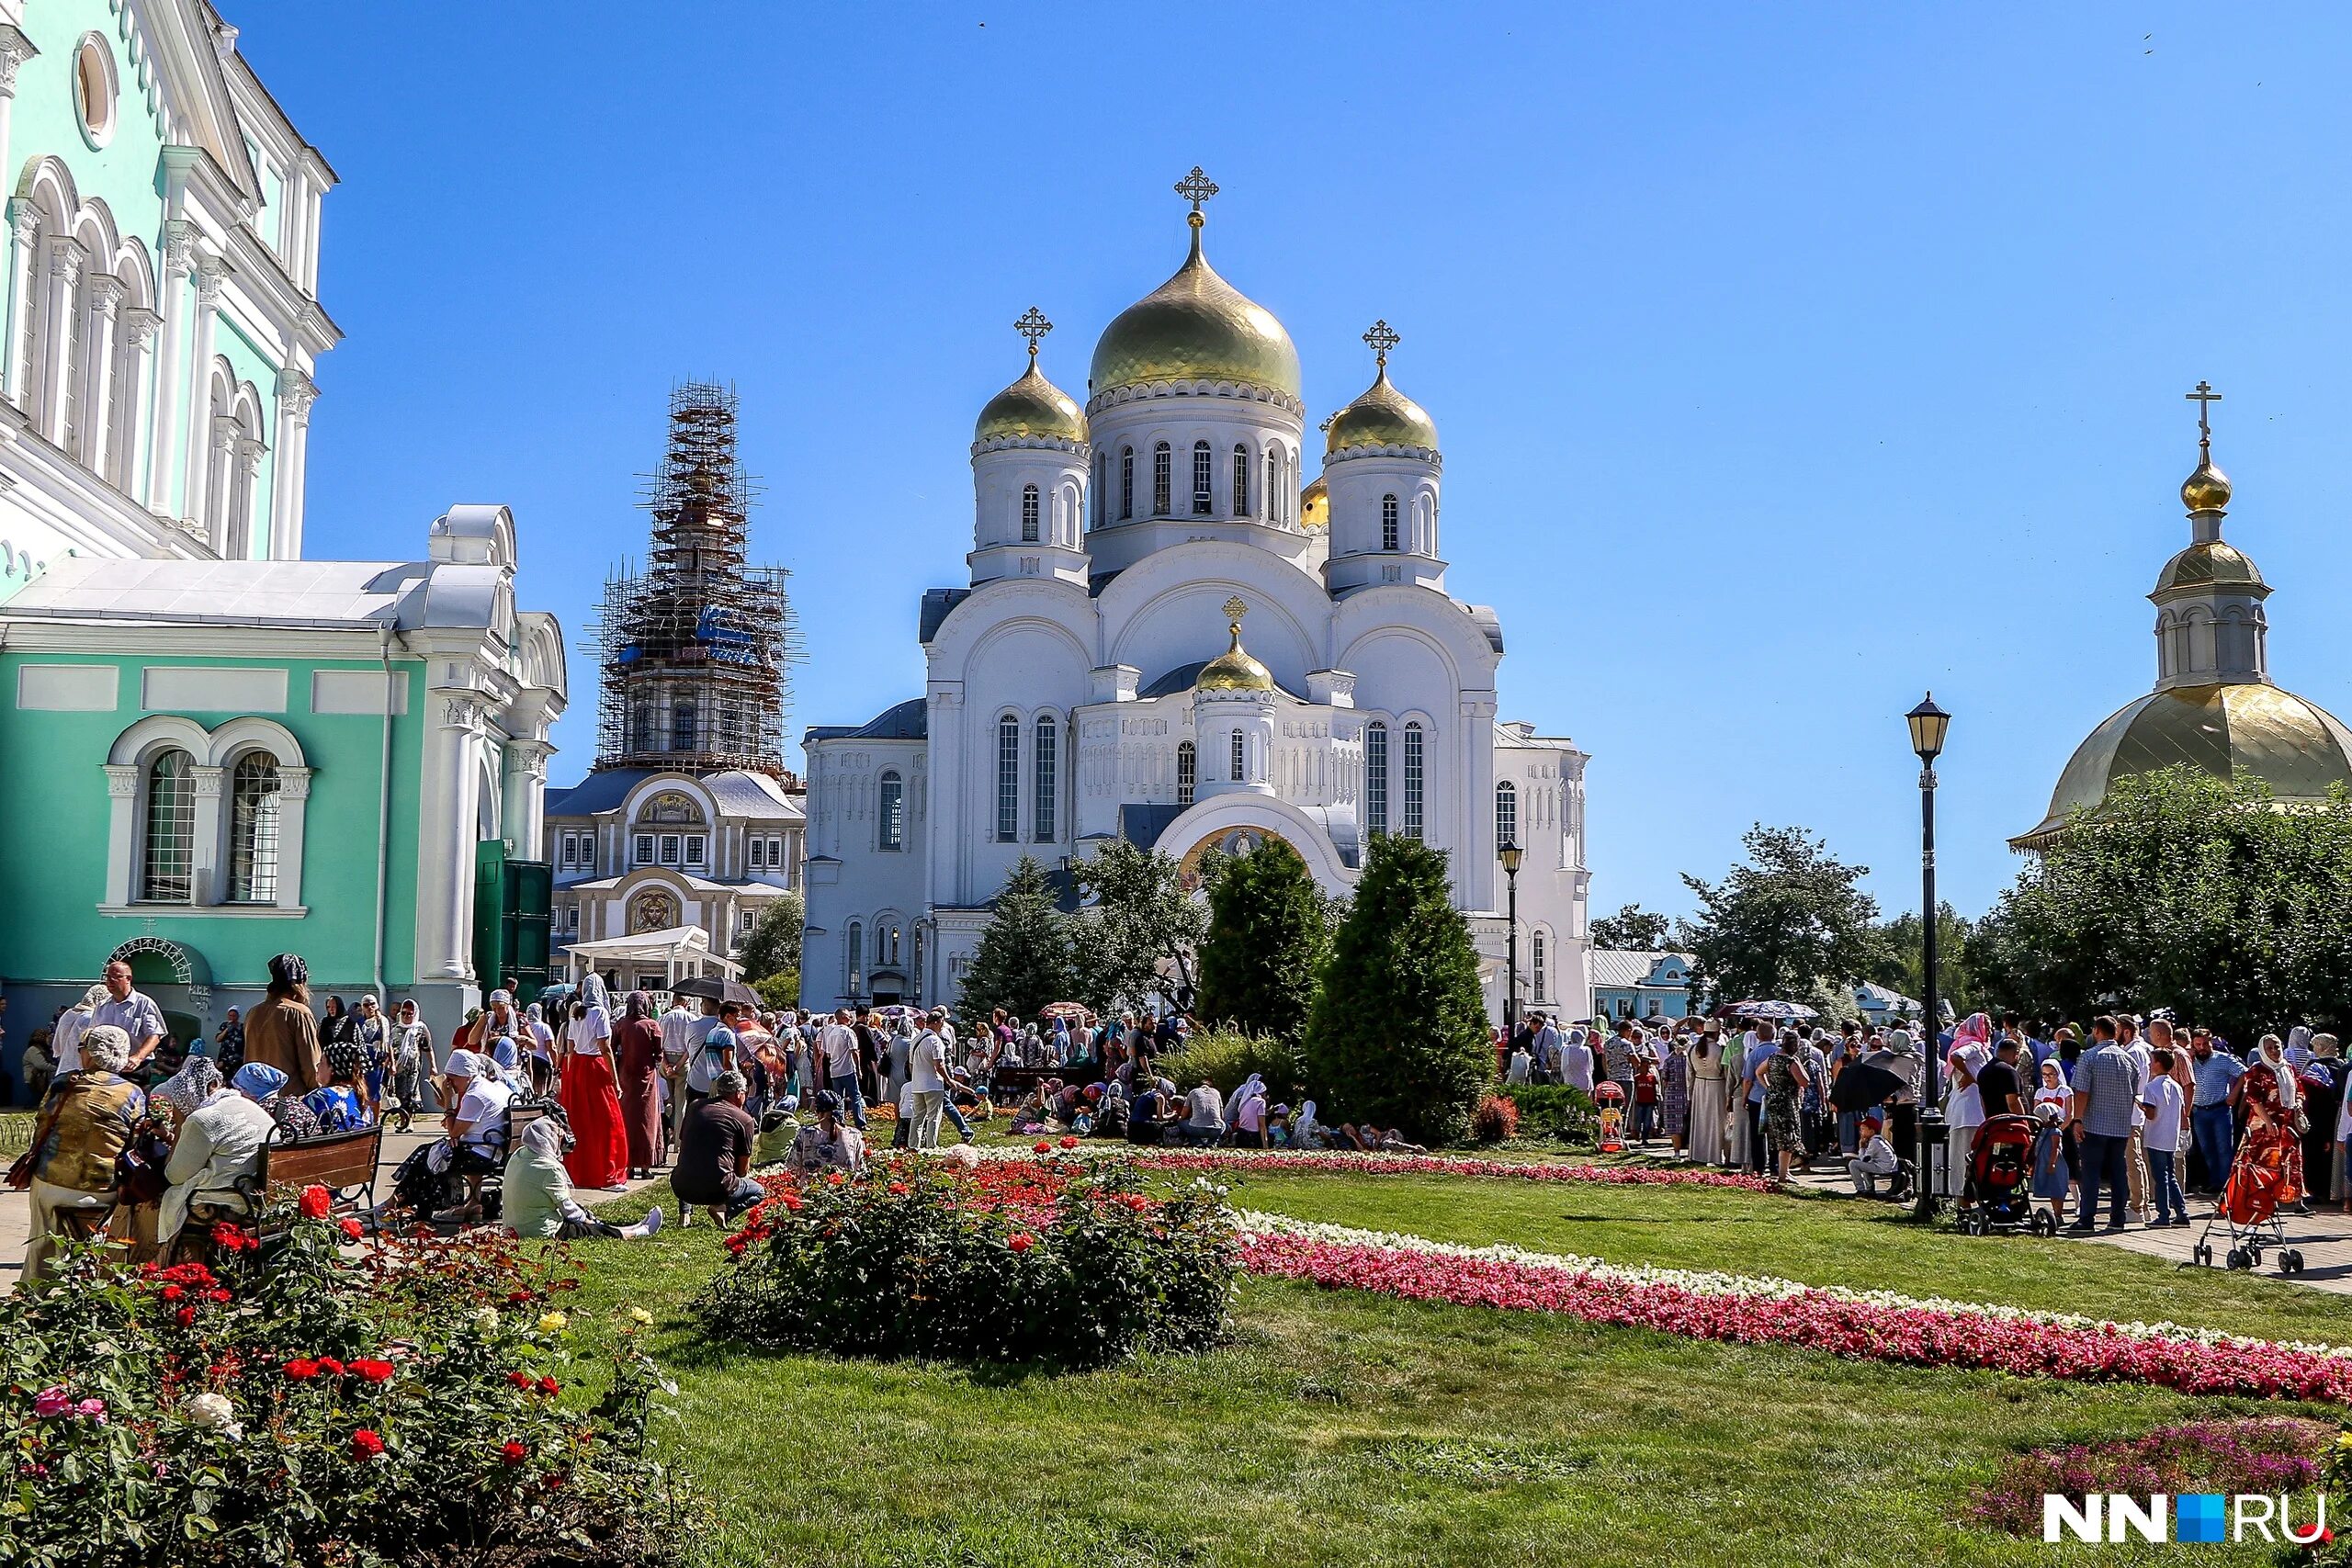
(265, 1085)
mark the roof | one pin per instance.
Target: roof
(1181, 679)
(1871, 994)
(681, 943)
(736, 791)
(909, 720)
(1631, 968)
(284, 594)
(936, 604)
(1142, 825)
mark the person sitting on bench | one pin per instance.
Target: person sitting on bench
(475, 1130)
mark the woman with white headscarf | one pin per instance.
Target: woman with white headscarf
(220, 1145)
(1253, 1088)
(591, 1093)
(2272, 1097)
(536, 1199)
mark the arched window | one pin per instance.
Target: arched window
(1241, 481)
(1127, 483)
(1043, 825)
(1239, 756)
(1506, 814)
(1411, 824)
(253, 803)
(685, 724)
(886, 946)
(1094, 492)
(1375, 778)
(853, 951)
(1204, 474)
(167, 865)
(1274, 487)
(1008, 779)
(1028, 514)
(1388, 522)
(1535, 950)
(1188, 772)
(1161, 461)
(894, 811)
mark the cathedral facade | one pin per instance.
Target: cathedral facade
(1174, 635)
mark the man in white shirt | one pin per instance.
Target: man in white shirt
(2135, 1153)
(130, 1011)
(837, 1043)
(1203, 1115)
(927, 1080)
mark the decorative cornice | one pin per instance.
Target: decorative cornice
(179, 247)
(294, 784)
(105, 292)
(27, 222)
(211, 277)
(65, 255)
(15, 50)
(296, 393)
(1029, 443)
(1111, 396)
(1419, 454)
(249, 452)
(139, 325)
(122, 780)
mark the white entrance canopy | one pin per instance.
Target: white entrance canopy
(684, 951)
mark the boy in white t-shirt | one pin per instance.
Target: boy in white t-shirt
(2160, 1102)
(1874, 1161)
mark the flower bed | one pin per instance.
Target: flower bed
(1762, 1310)
(2271, 1455)
(290, 1404)
(1274, 1162)
(1044, 1261)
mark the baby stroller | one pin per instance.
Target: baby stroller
(1998, 1194)
(2262, 1176)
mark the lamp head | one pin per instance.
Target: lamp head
(1928, 723)
(1511, 854)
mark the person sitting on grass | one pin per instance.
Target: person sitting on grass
(828, 1143)
(1203, 1120)
(1151, 1112)
(536, 1199)
(1874, 1159)
(1278, 1127)
(714, 1168)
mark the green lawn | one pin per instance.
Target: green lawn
(1350, 1429)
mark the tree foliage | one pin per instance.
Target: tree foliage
(1777, 927)
(1631, 930)
(1135, 944)
(1024, 959)
(773, 945)
(1399, 1032)
(1265, 946)
(1900, 960)
(2184, 891)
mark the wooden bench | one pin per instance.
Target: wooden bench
(343, 1163)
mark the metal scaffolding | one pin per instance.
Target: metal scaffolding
(693, 654)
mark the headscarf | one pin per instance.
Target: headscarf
(532, 1012)
(1899, 1042)
(2299, 1046)
(1304, 1126)
(287, 969)
(592, 991)
(637, 1004)
(463, 1064)
(2267, 1052)
(260, 1081)
(1976, 1029)
(1254, 1087)
(187, 1091)
(544, 1136)
(92, 998)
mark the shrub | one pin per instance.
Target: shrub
(1048, 1261)
(1266, 935)
(295, 1406)
(777, 992)
(1495, 1120)
(1227, 1059)
(1552, 1111)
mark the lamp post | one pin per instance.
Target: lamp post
(1510, 854)
(1928, 724)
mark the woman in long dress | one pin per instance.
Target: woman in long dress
(591, 1093)
(637, 1047)
(1706, 1141)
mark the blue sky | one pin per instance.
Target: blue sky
(1789, 360)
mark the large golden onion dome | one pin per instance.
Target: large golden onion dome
(1234, 669)
(1381, 416)
(1032, 407)
(1314, 506)
(2210, 564)
(1195, 327)
(2298, 748)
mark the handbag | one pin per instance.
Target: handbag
(20, 1173)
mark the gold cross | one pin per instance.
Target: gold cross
(2204, 398)
(1383, 337)
(1196, 187)
(1032, 325)
(1234, 609)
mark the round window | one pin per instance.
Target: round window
(94, 89)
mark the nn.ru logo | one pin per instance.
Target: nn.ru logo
(2195, 1517)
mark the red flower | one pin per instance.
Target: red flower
(216, 1296)
(316, 1202)
(1021, 1241)
(301, 1369)
(1042, 1147)
(520, 1380)
(898, 1190)
(517, 1298)
(1069, 1143)
(374, 1371)
(173, 1292)
(836, 1179)
(513, 1452)
(353, 1229)
(366, 1444)
(184, 1316)
(549, 1387)
(229, 1238)
(331, 1366)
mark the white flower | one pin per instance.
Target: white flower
(213, 1413)
(963, 1155)
(486, 1322)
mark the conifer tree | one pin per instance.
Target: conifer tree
(1023, 960)
(1265, 945)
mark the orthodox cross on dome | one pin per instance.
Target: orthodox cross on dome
(2204, 396)
(1234, 610)
(1032, 325)
(1196, 187)
(1382, 337)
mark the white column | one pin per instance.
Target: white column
(211, 277)
(163, 427)
(444, 875)
(296, 393)
(240, 526)
(122, 808)
(137, 372)
(25, 278)
(527, 790)
(15, 50)
(97, 383)
(211, 834)
(294, 795)
(949, 851)
(65, 259)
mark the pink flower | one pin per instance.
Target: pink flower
(91, 1410)
(53, 1400)
(1268, 1162)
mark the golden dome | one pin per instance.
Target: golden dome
(1195, 327)
(1314, 506)
(2298, 749)
(1032, 406)
(1234, 669)
(2211, 564)
(1382, 416)
(2207, 489)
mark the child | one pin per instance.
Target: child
(1646, 1102)
(2051, 1176)
(1875, 1161)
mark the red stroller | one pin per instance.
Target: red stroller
(1998, 1192)
(2264, 1173)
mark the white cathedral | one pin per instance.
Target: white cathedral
(1173, 637)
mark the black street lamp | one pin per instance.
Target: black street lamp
(1928, 724)
(1510, 853)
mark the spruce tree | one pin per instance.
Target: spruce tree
(1398, 1035)
(1024, 959)
(1265, 944)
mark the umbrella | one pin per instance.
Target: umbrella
(1782, 1011)
(1078, 1013)
(711, 986)
(1859, 1088)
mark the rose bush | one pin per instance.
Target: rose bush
(1044, 1260)
(290, 1403)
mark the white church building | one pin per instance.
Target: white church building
(1174, 637)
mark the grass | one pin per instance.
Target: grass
(1352, 1429)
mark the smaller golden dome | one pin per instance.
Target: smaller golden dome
(2207, 489)
(1234, 669)
(1382, 416)
(2211, 564)
(1032, 407)
(1314, 506)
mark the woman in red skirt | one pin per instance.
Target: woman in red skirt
(591, 1094)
